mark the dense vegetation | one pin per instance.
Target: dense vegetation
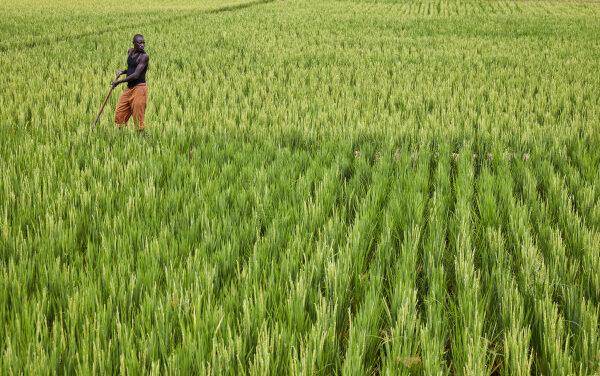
(325, 187)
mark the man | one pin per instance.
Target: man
(134, 98)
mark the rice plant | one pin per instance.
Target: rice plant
(325, 187)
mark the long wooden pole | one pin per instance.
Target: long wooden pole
(102, 108)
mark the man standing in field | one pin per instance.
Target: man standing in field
(134, 98)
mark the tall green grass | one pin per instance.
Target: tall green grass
(332, 187)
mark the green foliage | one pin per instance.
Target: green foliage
(325, 187)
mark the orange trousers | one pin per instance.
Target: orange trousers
(132, 102)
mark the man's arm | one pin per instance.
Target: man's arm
(142, 63)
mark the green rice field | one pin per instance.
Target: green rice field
(352, 187)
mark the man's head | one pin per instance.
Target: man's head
(139, 42)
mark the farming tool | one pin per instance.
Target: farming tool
(103, 104)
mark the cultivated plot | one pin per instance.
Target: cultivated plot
(333, 187)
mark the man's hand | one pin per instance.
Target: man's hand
(116, 82)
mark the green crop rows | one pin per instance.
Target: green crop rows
(325, 187)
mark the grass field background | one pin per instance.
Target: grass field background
(325, 187)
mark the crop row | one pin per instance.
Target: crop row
(275, 258)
